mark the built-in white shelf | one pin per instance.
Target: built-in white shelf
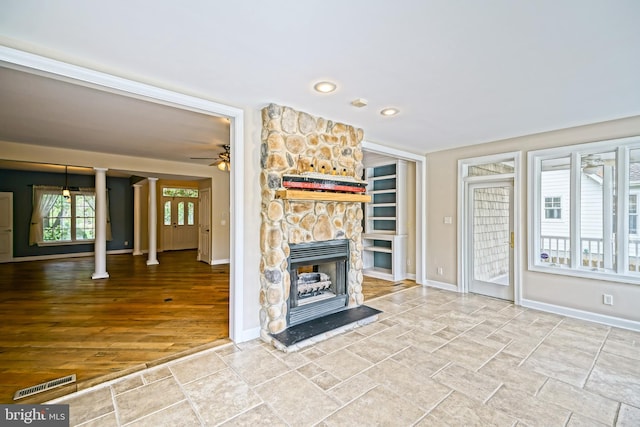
(381, 177)
(382, 191)
(378, 249)
(393, 266)
(385, 236)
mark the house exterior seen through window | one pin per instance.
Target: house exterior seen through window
(552, 207)
(577, 191)
(633, 214)
(69, 219)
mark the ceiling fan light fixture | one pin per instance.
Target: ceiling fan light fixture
(223, 162)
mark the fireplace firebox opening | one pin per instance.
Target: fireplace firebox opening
(318, 272)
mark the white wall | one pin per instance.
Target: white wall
(252, 220)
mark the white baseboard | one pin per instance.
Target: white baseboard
(249, 334)
(70, 255)
(618, 322)
(120, 251)
(411, 276)
(441, 285)
(220, 261)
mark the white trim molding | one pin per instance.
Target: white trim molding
(615, 190)
(518, 208)
(421, 201)
(618, 322)
(249, 334)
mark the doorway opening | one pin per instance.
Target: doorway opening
(488, 226)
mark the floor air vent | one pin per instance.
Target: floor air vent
(30, 391)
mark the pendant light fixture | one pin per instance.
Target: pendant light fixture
(65, 190)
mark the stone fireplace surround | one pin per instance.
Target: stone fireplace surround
(291, 142)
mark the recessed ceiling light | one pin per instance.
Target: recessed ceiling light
(324, 87)
(389, 111)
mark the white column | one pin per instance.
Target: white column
(100, 245)
(153, 219)
(136, 219)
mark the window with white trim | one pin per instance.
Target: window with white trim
(598, 180)
(62, 220)
(552, 207)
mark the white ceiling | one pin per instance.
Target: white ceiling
(461, 72)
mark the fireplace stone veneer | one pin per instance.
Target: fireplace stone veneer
(291, 142)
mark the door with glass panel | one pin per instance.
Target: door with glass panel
(490, 239)
(179, 230)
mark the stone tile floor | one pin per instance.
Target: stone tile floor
(434, 358)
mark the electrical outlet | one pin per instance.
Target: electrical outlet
(607, 299)
(440, 271)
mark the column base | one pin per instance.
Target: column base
(97, 275)
(152, 262)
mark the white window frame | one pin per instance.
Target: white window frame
(73, 241)
(636, 213)
(622, 147)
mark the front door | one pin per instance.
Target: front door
(491, 239)
(6, 227)
(179, 230)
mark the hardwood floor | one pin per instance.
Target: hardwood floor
(57, 321)
(374, 288)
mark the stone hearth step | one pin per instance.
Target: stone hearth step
(304, 331)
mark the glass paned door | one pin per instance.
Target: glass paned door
(491, 239)
(179, 223)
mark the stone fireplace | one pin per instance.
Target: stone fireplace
(311, 247)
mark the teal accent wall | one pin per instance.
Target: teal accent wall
(21, 183)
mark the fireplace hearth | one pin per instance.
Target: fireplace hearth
(318, 272)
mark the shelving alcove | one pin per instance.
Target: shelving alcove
(385, 221)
